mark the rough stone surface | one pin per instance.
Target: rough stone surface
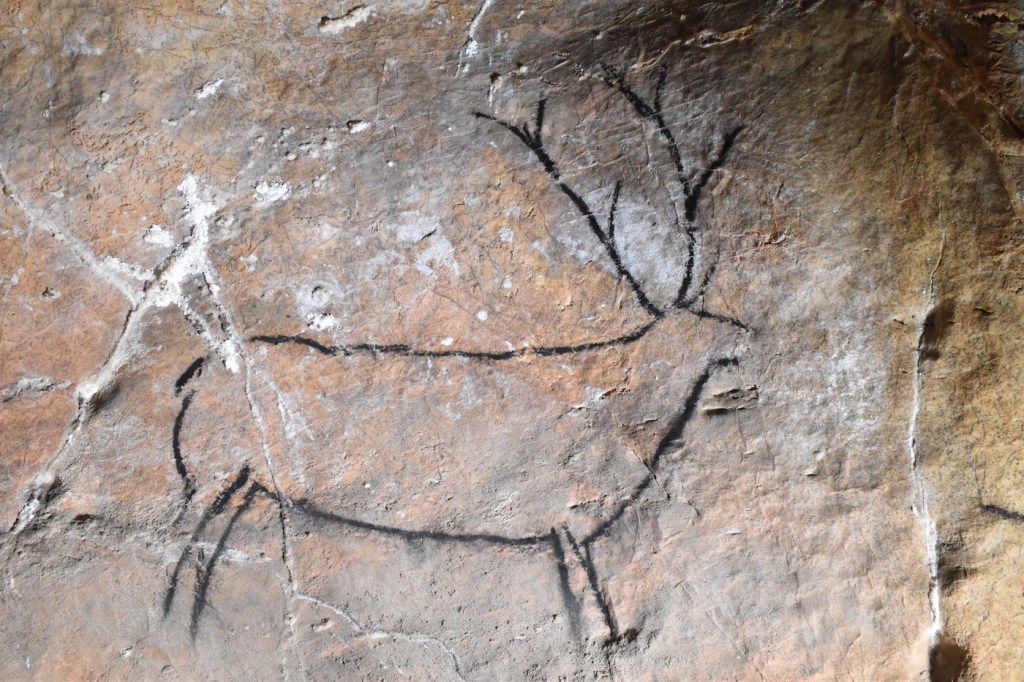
(592, 340)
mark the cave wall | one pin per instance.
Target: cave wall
(436, 340)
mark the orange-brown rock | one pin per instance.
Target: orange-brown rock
(608, 340)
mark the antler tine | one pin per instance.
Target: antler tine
(610, 231)
(693, 197)
(539, 120)
(534, 142)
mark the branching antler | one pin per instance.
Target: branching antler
(534, 142)
(243, 490)
(532, 136)
(692, 186)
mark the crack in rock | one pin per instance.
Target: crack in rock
(30, 387)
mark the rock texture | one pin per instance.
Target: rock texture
(593, 340)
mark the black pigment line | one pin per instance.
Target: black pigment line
(635, 335)
(277, 339)
(1003, 513)
(692, 193)
(437, 536)
(620, 510)
(187, 480)
(260, 488)
(539, 122)
(646, 111)
(194, 370)
(595, 583)
(206, 572)
(610, 248)
(675, 431)
(603, 602)
(215, 509)
(613, 78)
(684, 299)
(611, 211)
(531, 140)
(534, 143)
(569, 601)
(690, 204)
(687, 303)
(691, 260)
(692, 188)
(409, 351)
(706, 315)
(572, 543)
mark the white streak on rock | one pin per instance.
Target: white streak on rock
(364, 633)
(920, 491)
(209, 89)
(321, 321)
(471, 48)
(41, 486)
(74, 44)
(72, 243)
(267, 193)
(415, 227)
(158, 236)
(438, 253)
(30, 387)
(354, 17)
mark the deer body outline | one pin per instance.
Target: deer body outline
(556, 543)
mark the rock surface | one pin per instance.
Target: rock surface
(594, 340)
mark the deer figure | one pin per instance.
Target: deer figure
(564, 547)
